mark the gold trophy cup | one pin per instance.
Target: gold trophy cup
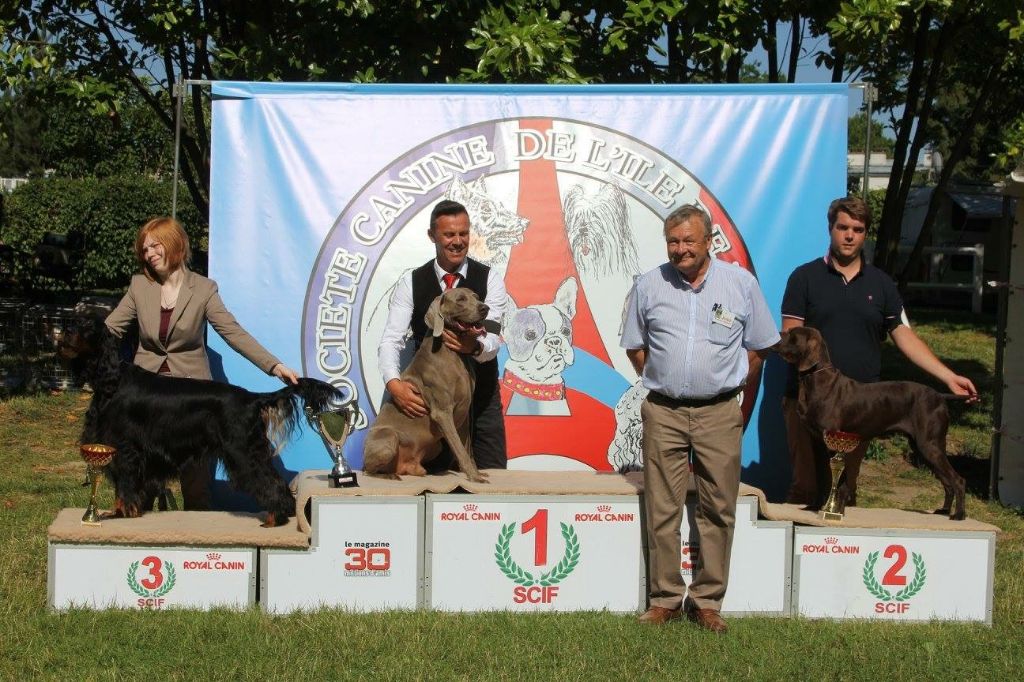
(96, 457)
(840, 443)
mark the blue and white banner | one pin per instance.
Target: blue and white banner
(320, 197)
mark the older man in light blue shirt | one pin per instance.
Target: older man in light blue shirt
(696, 328)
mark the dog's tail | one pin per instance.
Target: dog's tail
(281, 410)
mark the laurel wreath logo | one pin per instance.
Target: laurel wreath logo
(912, 588)
(517, 574)
(138, 589)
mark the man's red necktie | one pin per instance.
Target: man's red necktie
(450, 278)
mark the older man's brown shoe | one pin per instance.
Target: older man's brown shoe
(709, 619)
(658, 615)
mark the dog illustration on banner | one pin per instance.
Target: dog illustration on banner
(604, 250)
(600, 235)
(539, 343)
(495, 229)
(625, 452)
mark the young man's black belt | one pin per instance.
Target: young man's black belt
(666, 401)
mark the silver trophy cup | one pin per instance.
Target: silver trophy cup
(334, 427)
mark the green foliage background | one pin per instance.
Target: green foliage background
(107, 211)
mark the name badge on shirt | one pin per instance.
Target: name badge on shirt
(722, 316)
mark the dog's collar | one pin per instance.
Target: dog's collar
(532, 390)
(814, 369)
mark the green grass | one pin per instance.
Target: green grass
(965, 342)
(42, 474)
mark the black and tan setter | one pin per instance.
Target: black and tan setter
(159, 423)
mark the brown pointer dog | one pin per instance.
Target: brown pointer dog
(397, 445)
(830, 401)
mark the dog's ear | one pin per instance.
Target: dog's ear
(434, 319)
(565, 297)
(479, 185)
(821, 348)
(524, 327)
(810, 347)
(457, 190)
(509, 311)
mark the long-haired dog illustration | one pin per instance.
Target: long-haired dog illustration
(625, 451)
(599, 232)
(159, 423)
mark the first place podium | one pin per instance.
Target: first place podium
(534, 553)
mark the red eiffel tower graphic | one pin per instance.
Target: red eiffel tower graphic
(537, 266)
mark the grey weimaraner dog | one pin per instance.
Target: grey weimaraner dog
(398, 445)
(830, 401)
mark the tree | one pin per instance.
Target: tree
(913, 50)
(938, 62)
(20, 152)
(525, 46)
(857, 133)
(111, 48)
(677, 42)
(49, 131)
(1011, 157)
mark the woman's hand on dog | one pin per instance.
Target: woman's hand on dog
(407, 399)
(285, 373)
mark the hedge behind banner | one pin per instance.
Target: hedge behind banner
(107, 214)
(320, 197)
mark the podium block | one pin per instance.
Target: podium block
(902, 575)
(760, 580)
(138, 577)
(366, 554)
(534, 553)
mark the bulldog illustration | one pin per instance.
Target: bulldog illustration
(539, 343)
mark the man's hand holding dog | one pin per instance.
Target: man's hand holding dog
(407, 398)
(959, 385)
(466, 343)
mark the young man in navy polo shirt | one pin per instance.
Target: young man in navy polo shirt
(854, 305)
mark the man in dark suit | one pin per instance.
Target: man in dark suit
(451, 267)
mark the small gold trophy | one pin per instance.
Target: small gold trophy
(96, 457)
(334, 427)
(840, 443)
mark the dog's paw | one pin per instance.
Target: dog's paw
(479, 477)
(274, 519)
(385, 476)
(123, 510)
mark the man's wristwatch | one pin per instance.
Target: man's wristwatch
(478, 350)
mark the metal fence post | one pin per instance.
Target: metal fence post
(977, 274)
